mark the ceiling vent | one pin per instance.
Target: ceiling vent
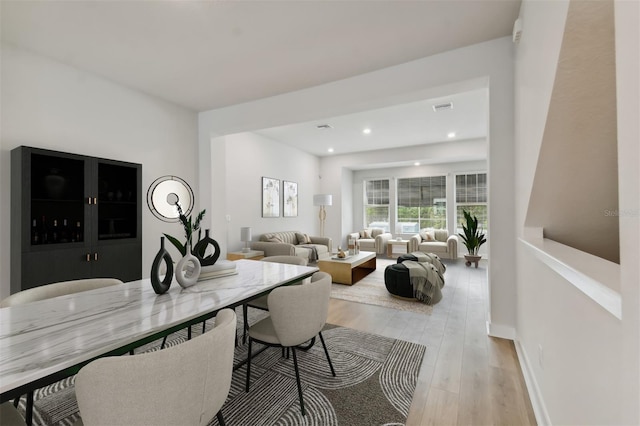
(324, 126)
(442, 107)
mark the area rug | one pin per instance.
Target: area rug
(372, 291)
(374, 384)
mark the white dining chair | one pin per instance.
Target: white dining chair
(296, 315)
(49, 291)
(261, 302)
(9, 415)
(186, 384)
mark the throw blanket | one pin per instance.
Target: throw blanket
(313, 252)
(430, 258)
(427, 283)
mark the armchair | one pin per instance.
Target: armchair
(372, 239)
(436, 241)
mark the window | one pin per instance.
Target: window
(376, 204)
(422, 203)
(471, 195)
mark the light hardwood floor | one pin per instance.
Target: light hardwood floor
(467, 377)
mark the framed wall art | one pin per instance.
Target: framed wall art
(270, 197)
(290, 200)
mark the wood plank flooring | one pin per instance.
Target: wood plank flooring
(467, 377)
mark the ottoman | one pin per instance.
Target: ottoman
(397, 281)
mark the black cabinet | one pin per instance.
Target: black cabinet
(73, 217)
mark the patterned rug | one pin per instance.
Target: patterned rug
(374, 384)
(372, 291)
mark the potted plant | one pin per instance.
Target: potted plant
(473, 238)
(190, 227)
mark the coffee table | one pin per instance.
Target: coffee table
(350, 269)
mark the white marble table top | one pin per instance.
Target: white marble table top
(45, 337)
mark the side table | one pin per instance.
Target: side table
(397, 247)
(251, 254)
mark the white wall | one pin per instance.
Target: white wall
(581, 361)
(484, 65)
(248, 158)
(50, 105)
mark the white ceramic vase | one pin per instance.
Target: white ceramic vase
(188, 270)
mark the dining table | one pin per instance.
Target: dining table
(48, 340)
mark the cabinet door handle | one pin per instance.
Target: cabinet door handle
(90, 200)
(95, 256)
(88, 257)
(95, 200)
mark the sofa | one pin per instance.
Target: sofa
(294, 243)
(436, 241)
(371, 239)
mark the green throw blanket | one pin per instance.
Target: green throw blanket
(427, 283)
(430, 258)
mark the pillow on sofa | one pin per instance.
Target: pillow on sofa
(303, 238)
(274, 239)
(427, 234)
(365, 233)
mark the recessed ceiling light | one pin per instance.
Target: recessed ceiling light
(416, 164)
(330, 150)
(366, 131)
(451, 134)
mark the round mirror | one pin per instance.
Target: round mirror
(165, 195)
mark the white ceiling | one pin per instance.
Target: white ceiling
(408, 124)
(210, 54)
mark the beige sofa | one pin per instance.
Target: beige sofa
(436, 241)
(291, 243)
(371, 239)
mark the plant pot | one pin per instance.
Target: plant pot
(470, 258)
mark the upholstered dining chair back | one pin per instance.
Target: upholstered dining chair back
(299, 312)
(9, 415)
(261, 302)
(185, 384)
(49, 291)
(292, 260)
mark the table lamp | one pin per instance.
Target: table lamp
(245, 237)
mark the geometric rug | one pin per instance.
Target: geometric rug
(374, 384)
(372, 291)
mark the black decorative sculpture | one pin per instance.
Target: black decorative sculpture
(161, 287)
(201, 248)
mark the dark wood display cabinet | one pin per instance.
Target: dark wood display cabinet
(73, 217)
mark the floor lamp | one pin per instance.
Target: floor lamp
(322, 200)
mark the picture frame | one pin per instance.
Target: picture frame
(290, 199)
(270, 197)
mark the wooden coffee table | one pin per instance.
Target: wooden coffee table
(351, 269)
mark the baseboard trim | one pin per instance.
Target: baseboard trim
(537, 402)
(501, 331)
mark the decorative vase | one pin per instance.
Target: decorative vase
(161, 286)
(188, 269)
(201, 248)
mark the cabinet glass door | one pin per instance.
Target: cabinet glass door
(117, 201)
(57, 200)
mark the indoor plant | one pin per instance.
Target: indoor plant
(190, 227)
(473, 238)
